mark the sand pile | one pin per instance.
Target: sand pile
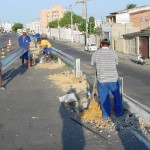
(52, 65)
(67, 82)
(93, 114)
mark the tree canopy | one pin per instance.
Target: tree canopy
(129, 6)
(77, 21)
(17, 26)
(91, 25)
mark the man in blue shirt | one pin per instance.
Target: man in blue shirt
(35, 37)
(24, 42)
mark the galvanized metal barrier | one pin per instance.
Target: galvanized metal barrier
(73, 62)
(9, 59)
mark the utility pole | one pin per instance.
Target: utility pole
(84, 2)
(83, 9)
(58, 25)
(71, 24)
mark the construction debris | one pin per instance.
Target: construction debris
(91, 112)
(68, 98)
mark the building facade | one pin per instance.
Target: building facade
(33, 27)
(125, 22)
(56, 12)
(5, 26)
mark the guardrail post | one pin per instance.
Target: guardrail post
(59, 60)
(121, 85)
(78, 71)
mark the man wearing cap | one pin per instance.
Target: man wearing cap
(106, 60)
(24, 42)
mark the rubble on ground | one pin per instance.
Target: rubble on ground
(91, 112)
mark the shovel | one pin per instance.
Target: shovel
(94, 90)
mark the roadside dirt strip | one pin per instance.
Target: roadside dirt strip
(88, 109)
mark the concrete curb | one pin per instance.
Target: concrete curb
(137, 108)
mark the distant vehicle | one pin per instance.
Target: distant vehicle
(91, 47)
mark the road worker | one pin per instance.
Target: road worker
(106, 60)
(24, 42)
(46, 45)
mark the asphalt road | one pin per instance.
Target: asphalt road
(32, 118)
(136, 77)
(4, 38)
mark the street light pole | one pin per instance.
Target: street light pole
(86, 41)
(71, 24)
(58, 26)
(86, 30)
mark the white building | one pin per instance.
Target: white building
(33, 27)
(6, 26)
(98, 23)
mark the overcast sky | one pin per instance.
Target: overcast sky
(28, 10)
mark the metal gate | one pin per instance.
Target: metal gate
(143, 46)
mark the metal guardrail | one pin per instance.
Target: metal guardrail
(73, 62)
(9, 59)
(70, 60)
(135, 107)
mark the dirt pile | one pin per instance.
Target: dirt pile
(93, 114)
(51, 65)
(67, 82)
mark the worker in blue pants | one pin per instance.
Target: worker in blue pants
(103, 92)
(106, 60)
(24, 42)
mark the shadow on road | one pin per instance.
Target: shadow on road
(72, 133)
(9, 75)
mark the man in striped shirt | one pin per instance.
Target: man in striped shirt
(106, 60)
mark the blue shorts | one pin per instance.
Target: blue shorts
(47, 51)
(26, 55)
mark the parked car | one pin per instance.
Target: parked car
(91, 47)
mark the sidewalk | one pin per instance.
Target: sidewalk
(32, 118)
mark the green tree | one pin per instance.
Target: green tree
(66, 21)
(77, 19)
(91, 25)
(17, 26)
(82, 26)
(129, 6)
(53, 24)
